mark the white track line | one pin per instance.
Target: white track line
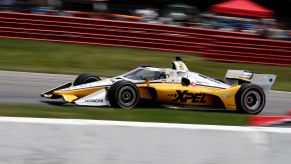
(141, 124)
(280, 92)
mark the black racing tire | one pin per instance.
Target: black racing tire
(123, 94)
(250, 99)
(85, 78)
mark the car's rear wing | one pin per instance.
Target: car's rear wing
(265, 81)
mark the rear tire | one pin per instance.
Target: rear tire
(250, 99)
(123, 94)
(86, 78)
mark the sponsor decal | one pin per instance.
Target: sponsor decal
(94, 101)
(226, 95)
(193, 84)
(183, 96)
(231, 105)
(181, 66)
(199, 82)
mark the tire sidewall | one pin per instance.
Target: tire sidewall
(117, 89)
(83, 79)
(245, 89)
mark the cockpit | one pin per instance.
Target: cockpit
(145, 73)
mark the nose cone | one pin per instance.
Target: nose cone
(58, 92)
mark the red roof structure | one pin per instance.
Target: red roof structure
(243, 8)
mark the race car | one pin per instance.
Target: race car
(175, 87)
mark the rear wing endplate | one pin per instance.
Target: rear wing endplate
(265, 81)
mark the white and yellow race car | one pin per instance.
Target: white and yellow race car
(175, 87)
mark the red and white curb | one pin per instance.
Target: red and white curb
(269, 120)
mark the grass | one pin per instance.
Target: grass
(141, 115)
(43, 56)
(51, 57)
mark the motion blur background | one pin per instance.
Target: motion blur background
(268, 18)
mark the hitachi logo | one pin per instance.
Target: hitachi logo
(183, 96)
(94, 101)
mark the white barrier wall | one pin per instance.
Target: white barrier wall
(26, 140)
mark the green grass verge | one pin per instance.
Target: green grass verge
(43, 56)
(142, 115)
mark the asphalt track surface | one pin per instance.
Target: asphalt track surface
(25, 88)
(71, 141)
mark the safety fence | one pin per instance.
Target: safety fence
(211, 44)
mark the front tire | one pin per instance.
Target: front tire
(250, 99)
(86, 78)
(123, 94)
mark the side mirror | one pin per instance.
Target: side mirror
(185, 81)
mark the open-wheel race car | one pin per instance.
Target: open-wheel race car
(175, 87)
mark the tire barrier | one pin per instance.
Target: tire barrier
(211, 44)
